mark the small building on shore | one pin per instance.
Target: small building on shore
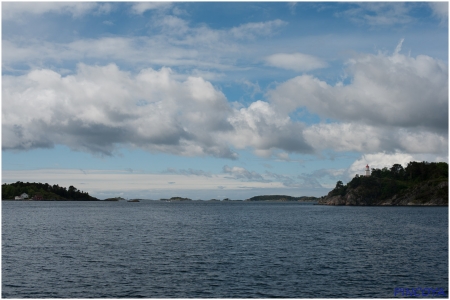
(38, 197)
(22, 197)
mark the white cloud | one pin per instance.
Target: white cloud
(242, 173)
(18, 11)
(292, 6)
(173, 42)
(264, 129)
(393, 103)
(172, 26)
(343, 137)
(295, 61)
(369, 139)
(440, 11)
(331, 173)
(187, 172)
(379, 13)
(252, 30)
(100, 107)
(303, 181)
(395, 90)
(141, 7)
(283, 156)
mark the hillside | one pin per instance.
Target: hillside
(45, 190)
(420, 183)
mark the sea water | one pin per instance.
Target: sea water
(219, 249)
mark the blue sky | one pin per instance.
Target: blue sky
(215, 100)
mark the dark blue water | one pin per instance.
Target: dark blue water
(157, 249)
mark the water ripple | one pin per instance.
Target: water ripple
(224, 250)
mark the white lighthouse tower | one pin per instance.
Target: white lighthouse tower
(367, 171)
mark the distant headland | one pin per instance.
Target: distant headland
(43, 191)
(420, 183)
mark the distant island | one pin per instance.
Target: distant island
(43, 191)
(176, 199)
(114, 199)
(282, 198)
(420, 183)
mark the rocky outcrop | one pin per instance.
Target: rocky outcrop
(433, 192)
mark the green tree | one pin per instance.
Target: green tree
(397, 171)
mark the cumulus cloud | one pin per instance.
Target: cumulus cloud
(394, 90)
(263, 128)
(100, 107)
(392, 103)
(295, 61)
(368, 139)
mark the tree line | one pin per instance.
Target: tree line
(414, 171)
(386, 182)
(47, 191)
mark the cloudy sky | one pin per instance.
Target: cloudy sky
(215, 100)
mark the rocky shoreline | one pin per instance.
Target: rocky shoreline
(424, 194)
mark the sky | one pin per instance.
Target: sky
(220, 100)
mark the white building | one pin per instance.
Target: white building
(21, 197)
(367, 171)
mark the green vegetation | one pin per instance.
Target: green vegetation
(281, 198)
(423, 178)
(45, 190)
